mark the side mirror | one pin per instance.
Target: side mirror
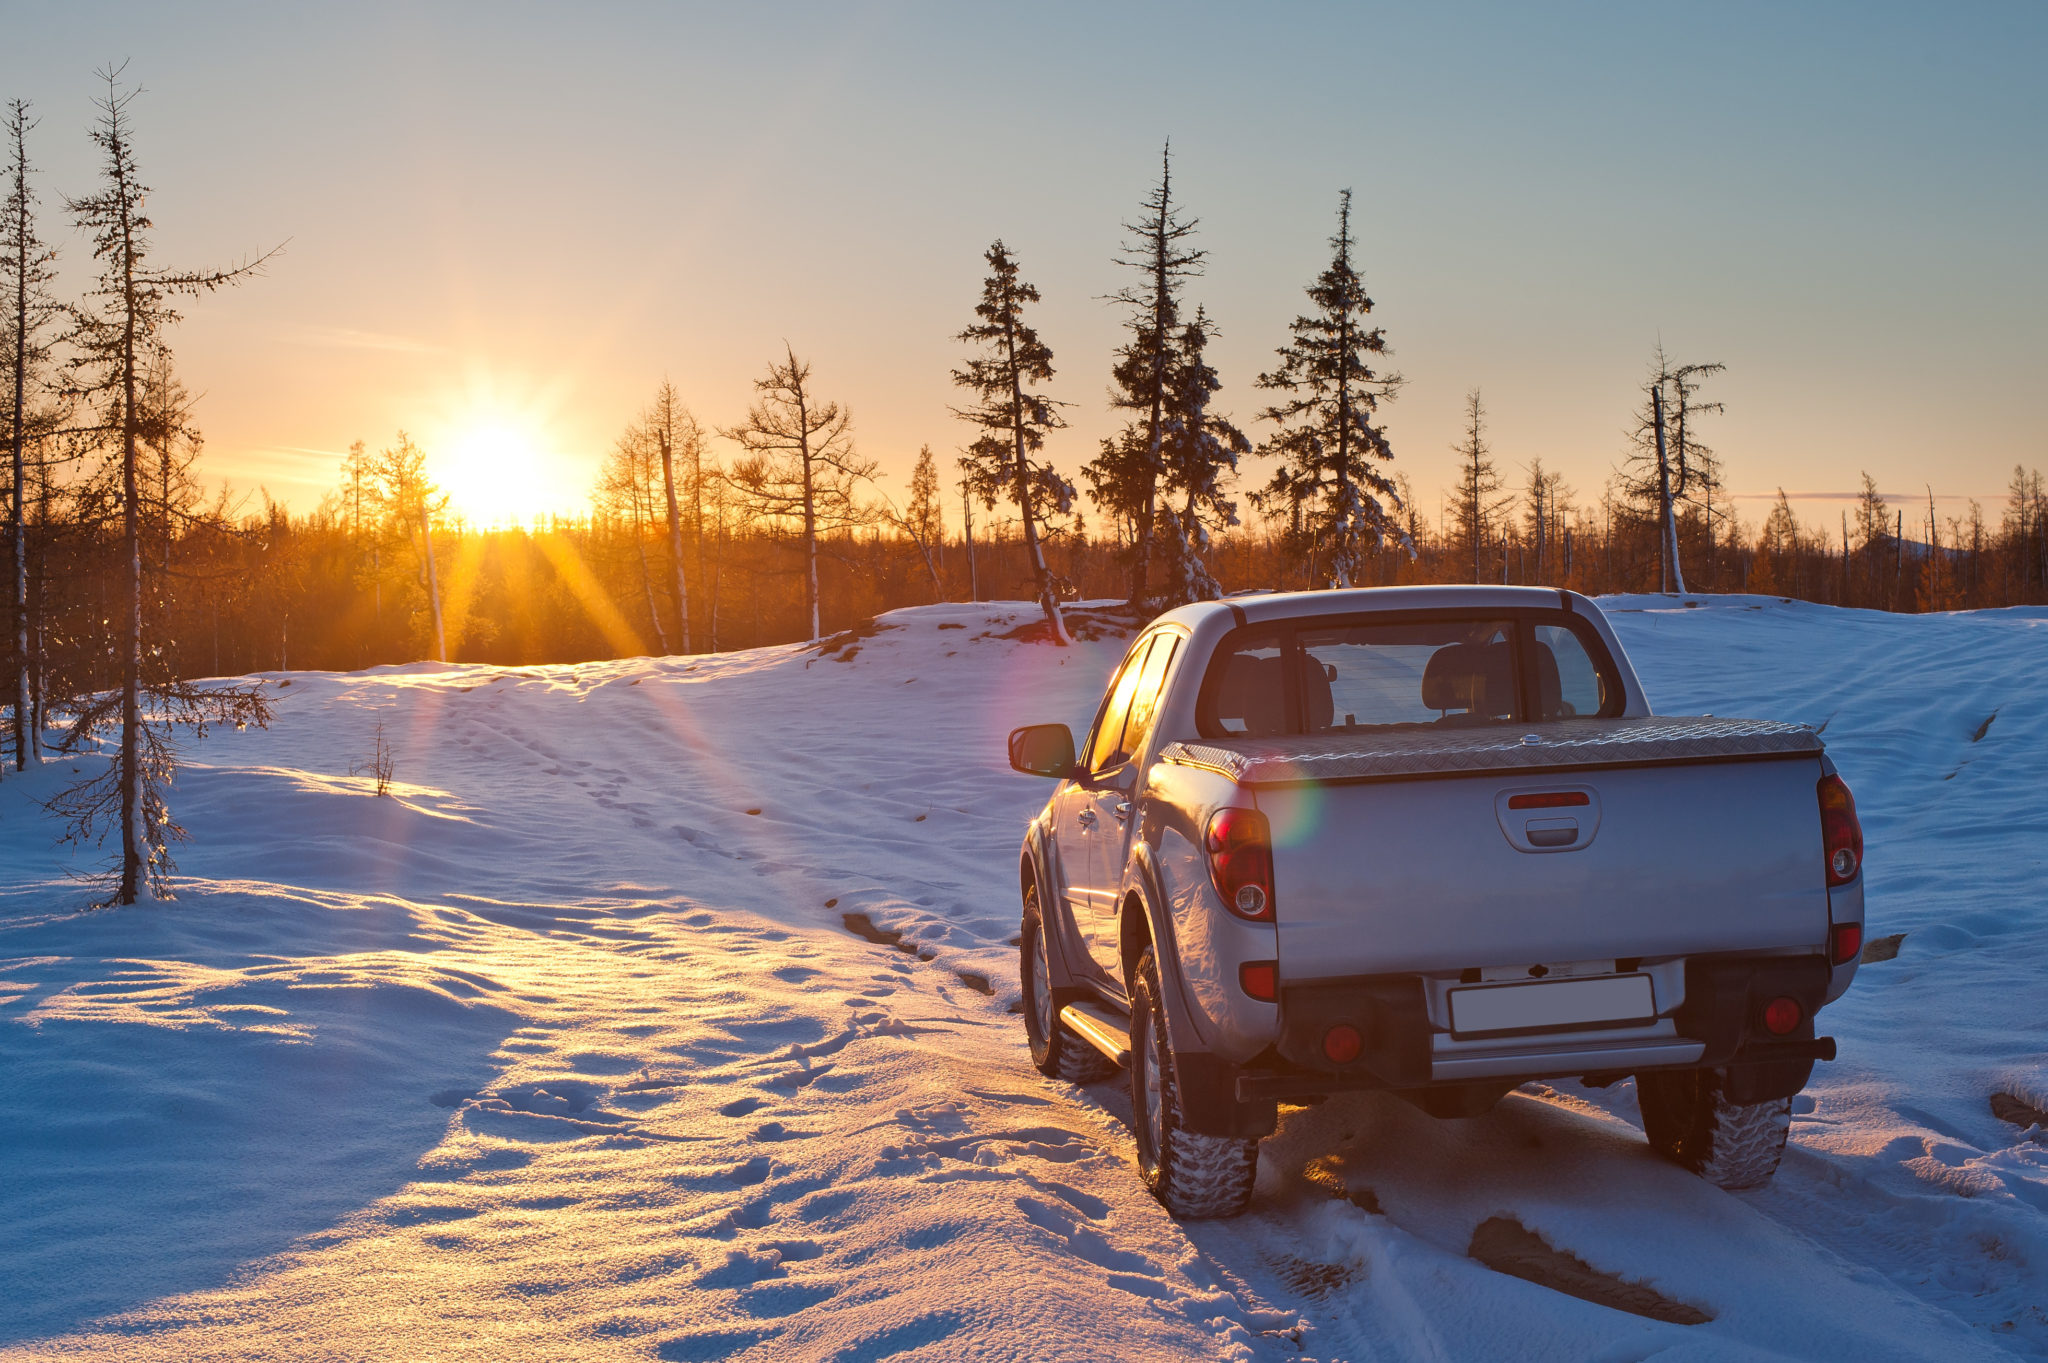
(1043, 750)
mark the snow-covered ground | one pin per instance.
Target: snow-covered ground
(567, 1051)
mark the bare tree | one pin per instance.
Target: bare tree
(675, 430)
(1548, 502)
(920, 522)
(412, 504)
(113, 335)
(625, 487)
(1670, 465)
(802, 462)
(1476, 502)
(26, 263)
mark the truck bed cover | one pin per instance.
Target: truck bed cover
(1652, 739)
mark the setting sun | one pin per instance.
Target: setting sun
(497, 472)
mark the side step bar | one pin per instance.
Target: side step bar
(1100, 1028)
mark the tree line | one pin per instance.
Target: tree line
(130, 585)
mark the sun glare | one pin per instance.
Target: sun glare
(497, 473)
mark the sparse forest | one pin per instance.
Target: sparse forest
(127, 580)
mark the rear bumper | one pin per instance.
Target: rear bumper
(1719, 1023)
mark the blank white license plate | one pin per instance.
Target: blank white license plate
(1543, 1004)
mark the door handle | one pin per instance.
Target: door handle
(1086, 818)
(1123, 811)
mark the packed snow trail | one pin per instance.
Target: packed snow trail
(566, 1050)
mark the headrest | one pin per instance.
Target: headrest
(1250, 693)
(1476, 678)
(1549, 685)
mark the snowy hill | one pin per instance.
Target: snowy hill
(660, 1012)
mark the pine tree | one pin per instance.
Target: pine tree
(1013, 422)
(1476, 503)
(801, 462)
(1198, 448)
(26, 263)
(113, 336)
(1329, 481)
(1126, 477)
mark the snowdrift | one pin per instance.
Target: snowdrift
(661, 1011)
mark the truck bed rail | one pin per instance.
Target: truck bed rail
(1566, 743)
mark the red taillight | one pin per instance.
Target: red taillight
(1342, 1043)
(1845, 942)
(1549, 799)
(1241, 862)
(1260, 979)
(1841, 837)
(1782, 1014)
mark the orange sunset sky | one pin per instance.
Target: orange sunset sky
(505, 224)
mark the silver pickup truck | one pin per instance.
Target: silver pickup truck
(1429, 840)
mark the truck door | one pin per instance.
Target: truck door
(1112, 784)
(1081, 818)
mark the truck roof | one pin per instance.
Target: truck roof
(1263, 606)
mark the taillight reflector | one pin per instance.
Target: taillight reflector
(1241, 862)
(1845, 942)
(1342, 1043)
(1549, 799)
(1782, 1014)
(1841, 836)
(1260, 979)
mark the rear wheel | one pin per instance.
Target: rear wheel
(1690, 1121)
(1057, 1052)
(1192, 1174)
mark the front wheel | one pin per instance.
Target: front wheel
(1057, 1052)
(1192, 1174)
(1690, 1120)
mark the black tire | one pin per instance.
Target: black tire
(1057, 1052)
(1691, 1122)
(1192, 1174)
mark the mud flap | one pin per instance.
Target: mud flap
(1724, 1001)
(1208, 1099)
(1762, 1082)
(1388, 1012)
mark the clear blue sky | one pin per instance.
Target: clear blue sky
(529, 214)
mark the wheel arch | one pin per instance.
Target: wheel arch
(1036, 871)
(1143, 921)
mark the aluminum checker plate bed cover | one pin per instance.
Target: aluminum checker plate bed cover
(1433, 752)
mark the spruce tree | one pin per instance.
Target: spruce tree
(1126, 476)
(1197, 449)
(1013, 422)
(1330, 483)
(114, 335)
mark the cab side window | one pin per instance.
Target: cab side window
(1109, 730)
(1569, 684)
(1145, 701)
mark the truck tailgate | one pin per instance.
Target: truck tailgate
(1675, 849)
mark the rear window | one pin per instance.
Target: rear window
(1446, 672)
